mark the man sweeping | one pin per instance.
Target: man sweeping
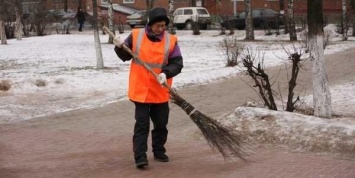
(159, 50)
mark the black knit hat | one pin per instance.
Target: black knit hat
(157, 14)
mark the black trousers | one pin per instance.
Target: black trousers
(159, 114)
(81, 26)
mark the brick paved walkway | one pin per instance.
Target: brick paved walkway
(97, 142)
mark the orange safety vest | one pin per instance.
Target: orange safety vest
(143, 86)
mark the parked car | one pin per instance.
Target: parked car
(185, 16)
(138, 18)
(262, 18)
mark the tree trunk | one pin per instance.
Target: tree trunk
(291, 21)
(2, 32)
(171, 17)
(193, 3)
(111, 21)
(321, 92)
(99, 59)
(18, 26)
(249, 21)
(80, 4)
(149, 4)
(65, 5)
(282, 11)
(344, 21)
(2, 23)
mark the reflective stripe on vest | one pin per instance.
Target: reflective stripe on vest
(166, 51)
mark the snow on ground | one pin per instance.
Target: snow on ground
(65, 65)
(298, 131)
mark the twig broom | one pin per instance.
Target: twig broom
(216, 134)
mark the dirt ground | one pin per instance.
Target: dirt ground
(97, 142)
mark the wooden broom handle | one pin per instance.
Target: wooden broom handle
(140, 60)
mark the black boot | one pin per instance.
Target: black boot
(162, 157)
(141, 162)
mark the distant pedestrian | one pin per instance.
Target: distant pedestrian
(81, 18)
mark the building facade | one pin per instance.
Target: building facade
(221, 7)
(124, 8)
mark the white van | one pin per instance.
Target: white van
(184, 16)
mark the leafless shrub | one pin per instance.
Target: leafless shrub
(40, 18)
(232, 50)
(195, 28)
(5, 85)
(254, 64)
(265, 26)
(231, 31)
(222, 31)
(295, 58)
(229, 25)
(302, 21)
(304, 108)
(40, 83)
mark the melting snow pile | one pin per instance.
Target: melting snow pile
(293, 129)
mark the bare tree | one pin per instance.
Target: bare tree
(80, 3)
(2, 23)
(295, 58)
(193, 3)
(352, 5)
(171, 17)
(344, 20)
(203, 3)
(100, 61)
(249, 21)
(65, 6)
(260, 77)
(18, 26)
(40, 18)
(321, 92)
(111, 25)
(291, 21)
(282, 11)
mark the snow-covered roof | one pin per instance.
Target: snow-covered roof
(120, 8)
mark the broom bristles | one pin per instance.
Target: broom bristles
(217, 136)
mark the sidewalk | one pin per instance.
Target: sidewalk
(97, 142)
